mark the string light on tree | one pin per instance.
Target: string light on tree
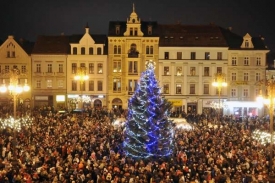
(149, 133)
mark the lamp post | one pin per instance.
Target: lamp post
(269, 100)
(81, 76)
(219, 82)
(14, 89)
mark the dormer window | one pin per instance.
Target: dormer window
(131, 31)
(246, 44)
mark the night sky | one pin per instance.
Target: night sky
(29, 18)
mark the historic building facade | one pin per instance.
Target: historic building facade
(189, 58)
(87, 56)
(130, 45)
(49, 63)
(15, 55)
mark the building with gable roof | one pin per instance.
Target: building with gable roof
(88, 52)
(16, 54)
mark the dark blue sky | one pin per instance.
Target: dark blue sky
(30, 18)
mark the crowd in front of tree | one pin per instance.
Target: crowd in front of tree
(67, 148)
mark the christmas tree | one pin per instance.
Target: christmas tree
(149, 133)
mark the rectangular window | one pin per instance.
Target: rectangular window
(50, 68)
(192, 89)
(132, 85)
(82, 65)
(99, 68)
(258, 61)
(179, 71)
(166, 71)
(99, 86)
(206, 71)
(207, 55)
(133, 67)
(38, 68)
(91, 68)
(38, 83)
(234, 76)
(117, 85)
(245, 76)
(60, 83)
(193, 55)
(234, 60)
(49, 83)
(166, 88)
(219, 56)
(117, 66)
(166, 55)
(8, 54)
(23, 69)
(91, 85)
(74, 68)
(245, 92)
(192, 71)
(246, 61)
(219, 69)
(233, 92)
(258, 76)
(74, 85)
(179, 55)
(206, 89)
(178, 88)
(7, 68)
(60, 68)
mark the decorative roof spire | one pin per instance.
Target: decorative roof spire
(133, 7)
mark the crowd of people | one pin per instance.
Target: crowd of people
(80, 148)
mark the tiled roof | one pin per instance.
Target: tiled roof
(191, 35)
(26, 45)
(122, 24)
(52, 45)
(235, 41)
(61, 44)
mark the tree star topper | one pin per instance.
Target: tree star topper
(150, 64)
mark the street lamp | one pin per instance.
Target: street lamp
(14, 87)
(81, 76)
(219, 82)
(269, 100)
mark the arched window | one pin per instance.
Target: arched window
(91, 51)
(119, 49)
(99, 51)
(82, 51)
(74, 50)
(115, 49)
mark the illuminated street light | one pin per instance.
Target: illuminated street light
(269, 101)
(81, 76)
(14, 87)
(219, 82)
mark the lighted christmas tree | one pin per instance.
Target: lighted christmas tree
(149, 133)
